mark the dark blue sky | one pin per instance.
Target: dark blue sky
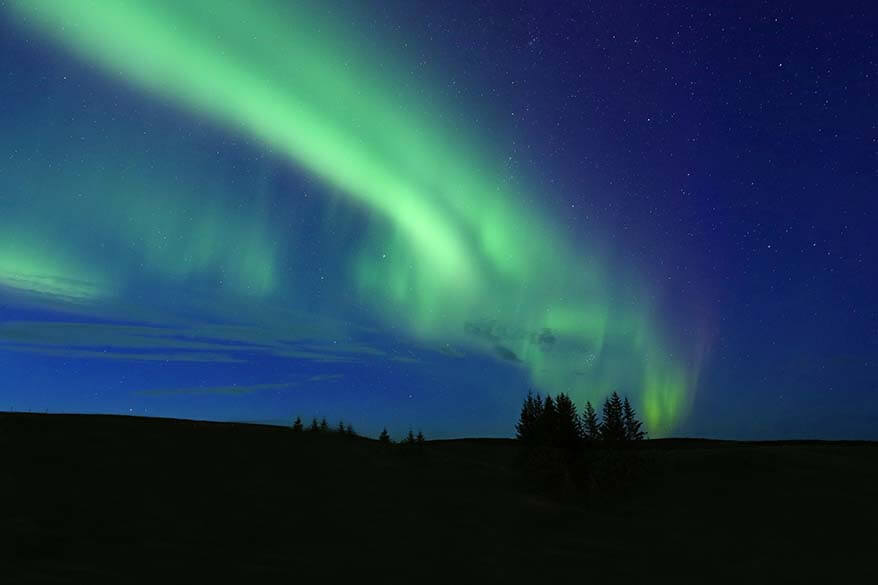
(725, 153)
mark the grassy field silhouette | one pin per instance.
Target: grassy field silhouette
(91, 499)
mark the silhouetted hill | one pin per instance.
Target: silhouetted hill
(94, 499)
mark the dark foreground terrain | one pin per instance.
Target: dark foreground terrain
(94, 499)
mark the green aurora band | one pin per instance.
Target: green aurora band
(451, 252)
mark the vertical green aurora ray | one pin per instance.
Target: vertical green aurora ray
(453, 251)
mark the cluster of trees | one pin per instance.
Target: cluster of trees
(563, 451)
(323, 427)
(410, 438)
(556, 422)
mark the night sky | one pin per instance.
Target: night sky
(409, 213)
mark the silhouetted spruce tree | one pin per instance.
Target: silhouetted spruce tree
(633, 427)
(568, 431)
(548, 421)
(384, 437)
(591, 428)
(340, 430)
(409, 438)
(613, 423)
(324, 426)
(297, 425)
(526, 428)
(420, 438)
(349, 430)
(314, 426)
(538, 412)
(544, 464)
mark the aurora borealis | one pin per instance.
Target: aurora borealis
(264, 196)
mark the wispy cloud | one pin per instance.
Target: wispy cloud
(236, 389)
(203, 343)
(229, 390)
(325, 377)
(193, 356)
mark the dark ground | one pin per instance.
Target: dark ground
(94, 499)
